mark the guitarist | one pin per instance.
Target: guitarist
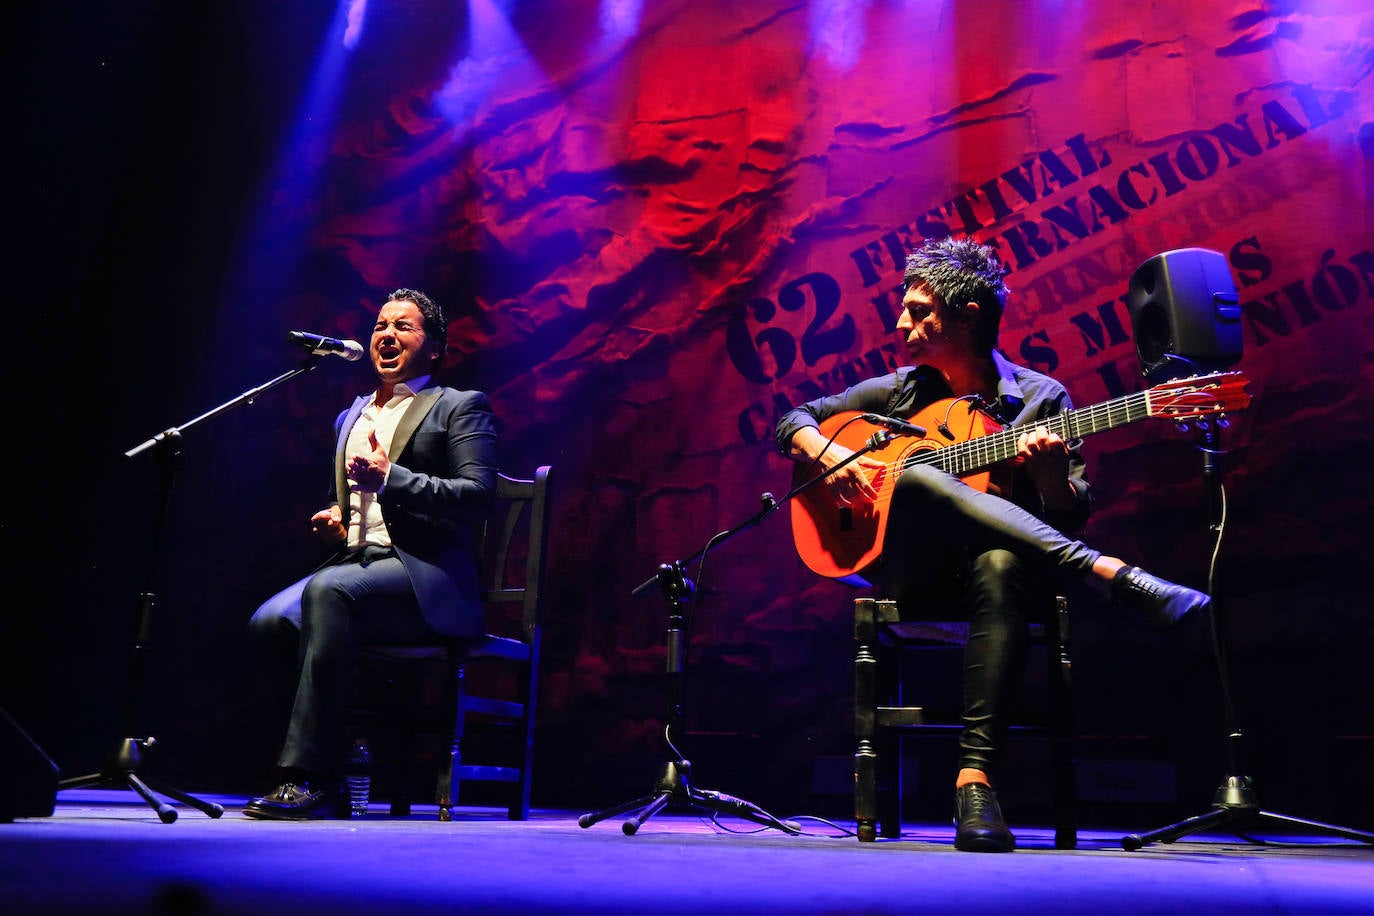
(989, 550)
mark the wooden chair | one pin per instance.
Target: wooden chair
(882, 643)
(514, 544)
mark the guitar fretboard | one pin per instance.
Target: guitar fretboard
(985, 451)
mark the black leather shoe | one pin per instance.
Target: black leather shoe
(1162, 603)
(292, 802)
(978, 819)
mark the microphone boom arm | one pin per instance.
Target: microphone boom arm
(247, 397)
(771, 504)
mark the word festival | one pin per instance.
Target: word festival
(764, 349)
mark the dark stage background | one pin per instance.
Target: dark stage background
(655, 225)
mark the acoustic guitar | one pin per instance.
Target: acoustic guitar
(839, 541)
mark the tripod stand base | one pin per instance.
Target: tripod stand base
(1236, 809)
(674, 785)
(121, 772)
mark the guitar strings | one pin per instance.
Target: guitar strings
(981, 452)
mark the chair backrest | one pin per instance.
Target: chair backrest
(510, 577)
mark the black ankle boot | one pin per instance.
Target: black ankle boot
(1162, 603)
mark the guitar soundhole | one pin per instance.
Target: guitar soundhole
(846, 519)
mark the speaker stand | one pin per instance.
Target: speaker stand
(1236, 809)
(1235, 806)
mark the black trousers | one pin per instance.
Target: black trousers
(946, 541)
(309, 632)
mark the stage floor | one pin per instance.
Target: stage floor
(104, 851)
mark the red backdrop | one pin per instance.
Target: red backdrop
(655, 233)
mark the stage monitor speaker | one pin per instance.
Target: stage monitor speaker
(28, 787)
(1185, 314)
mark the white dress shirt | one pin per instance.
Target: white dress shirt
(365, 525)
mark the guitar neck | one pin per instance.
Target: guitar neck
(985, 451)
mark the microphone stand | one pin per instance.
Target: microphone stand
(674, 782)
(1235, 805)
(123, 768)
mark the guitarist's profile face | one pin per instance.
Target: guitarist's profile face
(935, 334)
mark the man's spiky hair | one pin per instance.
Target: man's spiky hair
(958, 271)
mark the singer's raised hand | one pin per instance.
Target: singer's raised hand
(368, 472)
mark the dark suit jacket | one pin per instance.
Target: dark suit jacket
(437, 494)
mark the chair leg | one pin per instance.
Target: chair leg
(446, 793)
(400, 772)
(865, 721)
(1063, 790)
(888, 745)
(410, 690)
(520, 804)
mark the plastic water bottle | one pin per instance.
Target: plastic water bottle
(358, 776)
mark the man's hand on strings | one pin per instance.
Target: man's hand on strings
(857, 481)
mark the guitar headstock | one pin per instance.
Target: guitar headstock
(1220, 392)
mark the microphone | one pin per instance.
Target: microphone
(350, 350)
(901, 427)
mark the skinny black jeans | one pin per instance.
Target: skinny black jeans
(948, 541)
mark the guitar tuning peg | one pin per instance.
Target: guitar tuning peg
(1180, 426)
(1224, 421)
(1204, 425)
